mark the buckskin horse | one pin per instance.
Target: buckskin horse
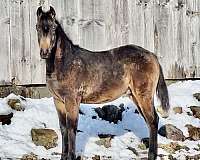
(76, 75)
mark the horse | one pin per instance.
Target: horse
(76, 75)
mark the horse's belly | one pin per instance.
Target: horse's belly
(105, 93)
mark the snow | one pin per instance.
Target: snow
(15, 139)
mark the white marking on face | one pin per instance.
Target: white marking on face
(45, 43)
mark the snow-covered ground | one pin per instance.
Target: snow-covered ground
(15, 139)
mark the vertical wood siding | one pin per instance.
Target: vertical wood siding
(169, 28)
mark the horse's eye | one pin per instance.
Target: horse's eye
(37, 27)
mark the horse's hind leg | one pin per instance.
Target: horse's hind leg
(146, 108)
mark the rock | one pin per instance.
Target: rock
(136, 111)
(145, 141)
(170, 157)
(79, 131)
(197, 96)
(142, 146)
(195, 157)
(172, 147)
(30, 156)
(15, 104)
(198, 147)
(6, 119)
(105, 140)
(96, 157)
(171, 132)
(162, 156)
(189, 114)
(79, 158)
(94, 117)
(194, 132)
(196, 111)
(178, 110)
(110, 113)
(81, 112)
(44, 137)
(17, 90)
(133, 150)
(128, 130)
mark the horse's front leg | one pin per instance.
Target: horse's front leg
(72, 108)
(68, 118)
(60, 107)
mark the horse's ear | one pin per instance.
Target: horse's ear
(52, 12)
(39, 11)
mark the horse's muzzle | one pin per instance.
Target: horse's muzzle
(44, 53)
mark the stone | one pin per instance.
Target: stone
(17, 90)
(15, 104)
(194, 132)
(172, 147)
(196, 111)
(6, 119)
(189, 114)
(136, 111)
(105, 140)
(142, 146)
(178, 110)
(195, 157)
(145, 141)
(96, 157)
(81, 112)
(171, 132)
(79, 158)
(170, 157)
(30, 156)
(110, 113)
(94, 117)
(197, 148)
(133, 150)
(44, 137)
(197, 96)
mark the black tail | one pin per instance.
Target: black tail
(162, 94)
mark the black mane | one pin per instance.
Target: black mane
(61, 33)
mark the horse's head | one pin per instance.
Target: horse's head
(46, 30)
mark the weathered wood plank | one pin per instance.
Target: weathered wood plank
(15, 39)
(5, 71)
(25, 56)
(117, 23)
(38, 68)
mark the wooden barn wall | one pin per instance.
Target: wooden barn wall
(169, 28)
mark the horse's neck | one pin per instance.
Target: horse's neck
(61, 54)
(64, 45)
